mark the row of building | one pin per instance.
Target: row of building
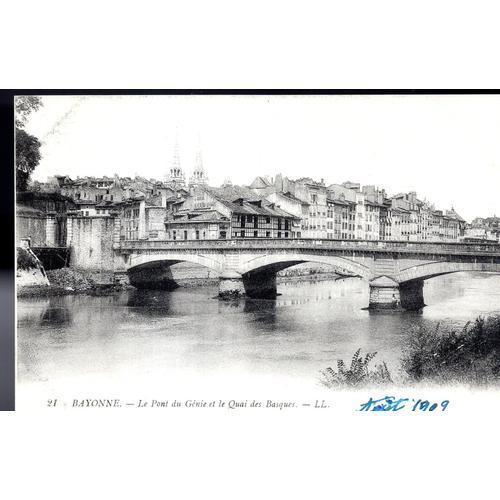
(481, 229)
(267, 208)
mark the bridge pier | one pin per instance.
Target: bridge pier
(231, 285)
(260, 285)
(412, 295)
(156, 277)
(386, 293)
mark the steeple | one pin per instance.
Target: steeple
(175, 178)
(198, 176)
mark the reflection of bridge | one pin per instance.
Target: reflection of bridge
(395, 270)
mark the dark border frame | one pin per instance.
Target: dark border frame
(7, 285)
(7, 200)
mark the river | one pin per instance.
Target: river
(188, 339)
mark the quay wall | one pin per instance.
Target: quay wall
(91, 242)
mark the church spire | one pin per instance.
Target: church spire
(175, 178)
(198, 176)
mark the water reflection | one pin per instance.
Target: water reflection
(160, 334)
(56, 313)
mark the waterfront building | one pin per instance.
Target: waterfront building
(204, 224)
(95, 189)
(42, 217)
(228, 212)
(293, 205)
(361, 221)
(483, 229)
(85, 208)
(259, 219)
(31, 226)
(304, 197)
(341, 218)
(141, 218)
(314, 219)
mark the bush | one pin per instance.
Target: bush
(470, 356)
(25, 260)
(358, 374)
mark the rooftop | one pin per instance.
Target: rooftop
(197, 216)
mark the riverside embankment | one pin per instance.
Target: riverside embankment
(67, 281)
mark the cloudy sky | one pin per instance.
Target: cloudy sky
(447, 148)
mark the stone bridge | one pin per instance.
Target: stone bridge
(394, 270)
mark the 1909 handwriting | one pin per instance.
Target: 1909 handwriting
(391, 403)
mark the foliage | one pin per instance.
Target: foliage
(357, 374)
(25, 260)
(27, 146)
(24, 106)
(470, 356)
(27, 157)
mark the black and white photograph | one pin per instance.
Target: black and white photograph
(249, 251)
(280, 251)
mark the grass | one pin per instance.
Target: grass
(357, 374)
(470, 356)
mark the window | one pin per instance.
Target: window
(174, 235)
(286, 234)
(255, 234)
(185, 235)
(268, 220)
(242, 234)
(197, 234)
(279, 234)
(268, 234)
(222, 235)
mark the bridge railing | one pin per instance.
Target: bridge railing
(304, 243)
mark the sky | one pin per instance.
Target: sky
(446, 148)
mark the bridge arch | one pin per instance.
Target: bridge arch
(284, 260)
(135, 261)
(433, 269)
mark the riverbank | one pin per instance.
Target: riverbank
(68, 281)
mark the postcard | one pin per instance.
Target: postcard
(246, 253)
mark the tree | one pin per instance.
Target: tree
(27, 146)
(24, 105)
(27, 157)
